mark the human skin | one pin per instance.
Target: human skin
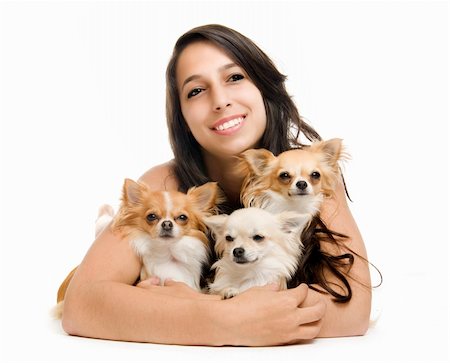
(101, 301)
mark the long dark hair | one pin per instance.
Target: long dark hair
(284, 124)
(283, 131)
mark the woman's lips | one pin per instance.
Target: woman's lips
(228, 125)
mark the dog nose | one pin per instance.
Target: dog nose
(302, 185)
(238, 252)
(167, 225)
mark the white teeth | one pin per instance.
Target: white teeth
(230, 123)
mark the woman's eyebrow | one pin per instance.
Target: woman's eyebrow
(197, 76)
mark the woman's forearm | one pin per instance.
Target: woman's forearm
(346, 319)
(351, 318)
(116, 311)
(260, 316)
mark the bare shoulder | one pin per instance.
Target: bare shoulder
(161, 177)
(336, 214)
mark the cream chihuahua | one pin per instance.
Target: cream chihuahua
(255, 248)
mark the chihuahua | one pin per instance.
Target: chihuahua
(296, 180)
(167, 230)
(255, 248)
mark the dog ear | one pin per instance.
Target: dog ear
(206, 197)
(293, 222)
(216, 223)
(132, 191)
(332, 149)
(257, 160)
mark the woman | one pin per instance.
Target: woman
(216, 75)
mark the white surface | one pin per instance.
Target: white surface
(82, 107)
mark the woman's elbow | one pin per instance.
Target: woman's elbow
(355, 314)
(73, 315)
(362, 325)
(69, 319)
(362, 314)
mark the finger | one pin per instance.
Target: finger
(273, 287)
(306, 332)
(170, 282)
(311, 314)
(270, 287)
(152, 281)
(300, 292)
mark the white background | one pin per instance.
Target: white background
(82, 107)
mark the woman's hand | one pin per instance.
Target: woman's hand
(260, 316)
(174, 288)
(264, 316)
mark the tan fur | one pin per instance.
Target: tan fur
(262, 170)
(57, 311)
(138, 199)
(62, 289)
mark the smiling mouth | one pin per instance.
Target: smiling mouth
(229, 124)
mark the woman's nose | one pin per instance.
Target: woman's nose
(220, 99)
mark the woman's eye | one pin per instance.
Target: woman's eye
(194, 92)
(236, 77)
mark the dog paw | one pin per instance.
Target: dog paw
(229, 293)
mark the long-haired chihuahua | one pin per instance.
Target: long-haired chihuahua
(255, 248)
(167, 230)
(297, 179)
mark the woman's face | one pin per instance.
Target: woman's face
(222, 107)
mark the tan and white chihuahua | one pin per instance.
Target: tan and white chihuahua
(167, 230)
(296, 180)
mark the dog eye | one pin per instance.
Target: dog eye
(182, 217)
(258, 238)
(284, 175)
(315, 175)
(229, 238)
(151, 217)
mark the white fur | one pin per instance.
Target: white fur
(232, 278)
(275, 258)
(277, 203)
(105, 216)
(169, 204)
(57, 311)
(179, 259)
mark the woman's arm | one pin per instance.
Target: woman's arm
(101, 302)
(258, 317)
(352, 318)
